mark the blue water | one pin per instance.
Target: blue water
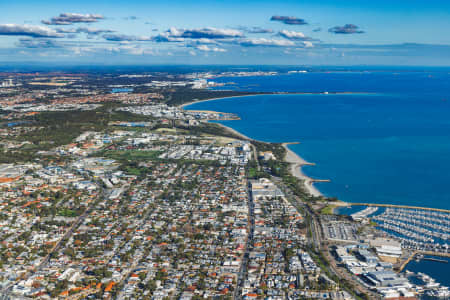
(403, 81)
(348, 210)
(436, 270)
(387, 143)
(121, 90)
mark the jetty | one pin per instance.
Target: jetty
(436, 260)
(418, 252)
(297, 163)
(407, 261)
(320, 180)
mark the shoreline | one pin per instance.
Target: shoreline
(271, 93)
(220, 98)
(296, 161)
(234, 131)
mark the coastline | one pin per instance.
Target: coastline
(270, 93)
(291, 157)
(235, 132)
(296, 163)
(220, 98)
(296, 169)
(294, 160)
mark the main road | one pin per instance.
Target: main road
(316, 240)
(248, 247)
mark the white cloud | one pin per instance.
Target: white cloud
(29, 30)
(210, 49)
(202, 33)
(70, 18)
(308, 44)
(292, 35)
(265, 42)
(167, 37)
(125, 38)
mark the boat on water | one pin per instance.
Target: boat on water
(432, 284)
(442, 293)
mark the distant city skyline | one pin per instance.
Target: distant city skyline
(327, 32)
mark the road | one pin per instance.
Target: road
(136, 258)
(316, 240)
(7, 291)
(255, 156)
(248, 247)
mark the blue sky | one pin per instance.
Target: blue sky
(308, 32)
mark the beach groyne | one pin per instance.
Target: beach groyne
(291, 157)
(297, 163)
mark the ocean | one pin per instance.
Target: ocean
(434, 269)
(387, 141)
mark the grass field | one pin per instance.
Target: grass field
(328, 210)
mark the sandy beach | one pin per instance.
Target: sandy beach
(242, 136)
(296, 164)
(273, 93)
(219, 98)
(291, 157)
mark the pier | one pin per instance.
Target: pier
(436, 260)
(320, 180)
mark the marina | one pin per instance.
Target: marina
(423, 274)
(417, 229)
(363, 213)
(380, 185)
(401, 206)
